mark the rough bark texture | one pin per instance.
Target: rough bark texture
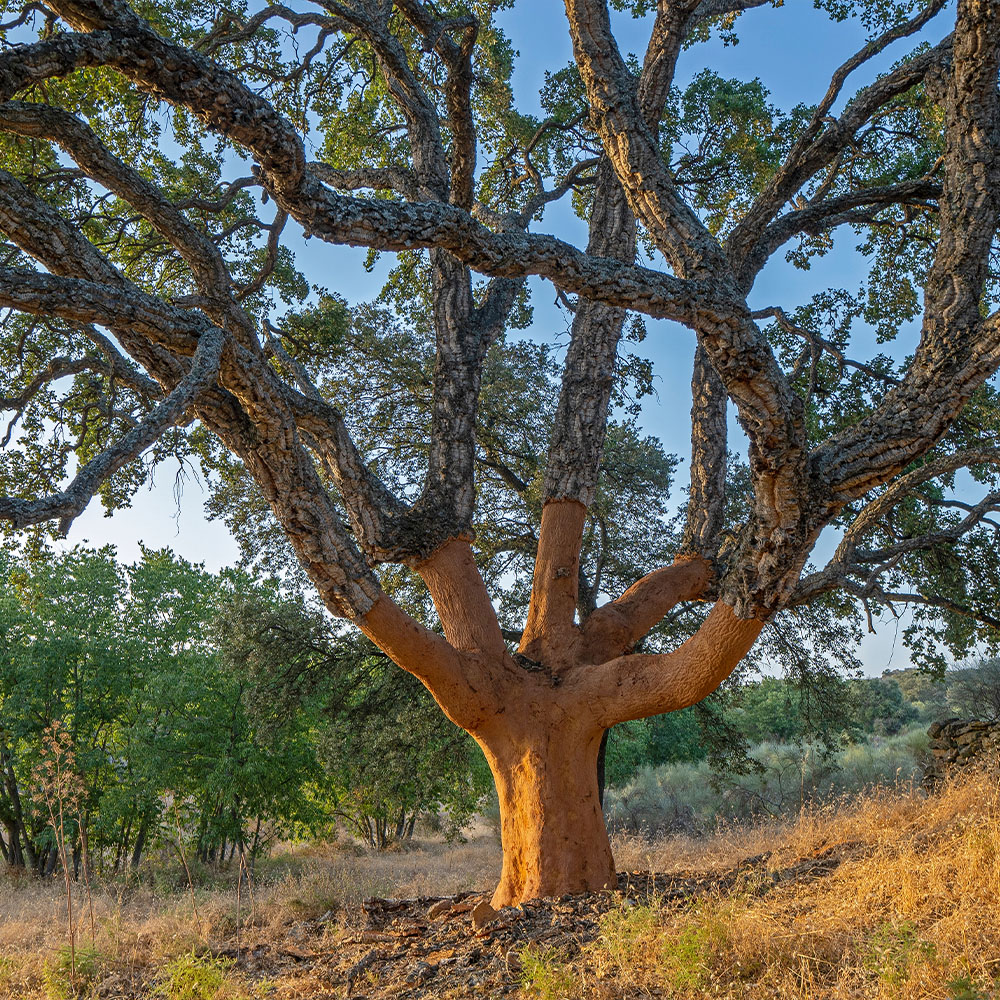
(539, 713)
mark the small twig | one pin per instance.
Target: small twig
(180, 851)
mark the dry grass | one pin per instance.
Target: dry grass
(911, 911)
(140, 929)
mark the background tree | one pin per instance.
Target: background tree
(974, 690)
(121, 660)
(382, 754)
(124, 130)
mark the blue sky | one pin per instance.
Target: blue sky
(793, 50)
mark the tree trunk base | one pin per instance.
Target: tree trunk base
(554, 838)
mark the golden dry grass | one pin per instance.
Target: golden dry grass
(140, 929)
(912, 910)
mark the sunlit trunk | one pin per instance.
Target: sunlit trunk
(551, 825)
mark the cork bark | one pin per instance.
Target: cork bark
(551, 824)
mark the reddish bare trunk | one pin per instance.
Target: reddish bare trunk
(551, 824)
(540, 716)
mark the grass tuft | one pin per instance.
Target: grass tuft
(545, 975)
(200, 977)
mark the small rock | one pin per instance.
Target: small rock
(369, 937)
(482, 914)
(360, 967)
(420, 973)
(440, 908)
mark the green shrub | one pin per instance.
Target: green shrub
(626, 934)
(199, 977)
(965, 988)
(545, 974)
(60, 979)
(689, 798)
(687, 956)
(892, 951)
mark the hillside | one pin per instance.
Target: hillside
(897, 895)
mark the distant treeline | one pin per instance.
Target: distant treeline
(831, 711)
(800, 747)
(162, 706)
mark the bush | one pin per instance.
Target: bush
(62, 983)
(199, 977)
(546, 974)
(688, 798)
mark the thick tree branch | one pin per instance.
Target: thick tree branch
(706, 505)
(771, 414)
(464, 685)
(458, 90)
(68, 504)
(555, 584)
(196, 83)
(847, 560)
(56, 369)
(228, 32)
(817, 217)
(396, 179)
(77, 139)
(614, 628)
(83, 301)
(824, 138)
(640, 685)
(958, 349)
(580, 425)
(461, 600)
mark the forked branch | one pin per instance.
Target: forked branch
(68, 504)
(645, 684)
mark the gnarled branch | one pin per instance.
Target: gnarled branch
(68, 504)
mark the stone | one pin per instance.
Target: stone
(482, 914)
(420, 973)
(440, 908)
(958, 743)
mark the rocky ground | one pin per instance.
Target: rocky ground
(459, 946)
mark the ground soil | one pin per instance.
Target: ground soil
(430, 947)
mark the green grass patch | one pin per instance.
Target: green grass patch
(200, 977)
(545, 974)
(687, 956)
(68, 976)
(893, 951)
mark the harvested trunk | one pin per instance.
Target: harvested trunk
(551, 824)
(540, 714)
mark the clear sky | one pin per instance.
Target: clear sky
(793, 50)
